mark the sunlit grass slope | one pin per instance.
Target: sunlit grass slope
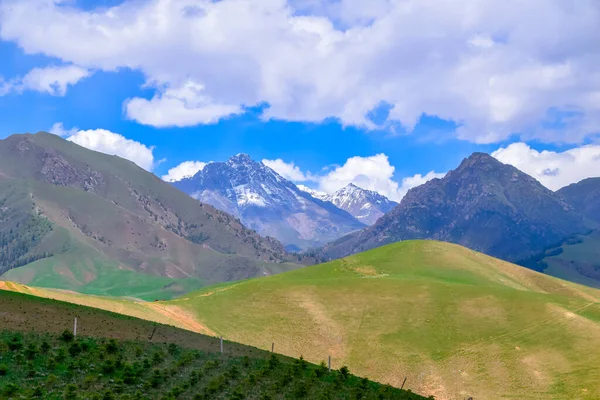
(455, 322)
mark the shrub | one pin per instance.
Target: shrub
(31, 351)
(75, 349)
(45, 347)
(10, 390)
(112, 347)
(15, 344)
(3, 370)
(321, 370)
(71, 392)
(67, 336)
(344, 373)
(173, 349)
(37, 392)
(273, 362)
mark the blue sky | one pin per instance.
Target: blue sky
(218, 99)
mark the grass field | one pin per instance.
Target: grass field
(142, 360)
(453, 322)
(578, 261)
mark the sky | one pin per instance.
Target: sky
(386, 94)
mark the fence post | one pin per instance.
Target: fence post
(75, 327)
(329, 363)
(273, 348)
(402, 387)
(221, 344)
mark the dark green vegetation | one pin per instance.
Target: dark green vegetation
(577, 259)
(71, 218)
(103, 362)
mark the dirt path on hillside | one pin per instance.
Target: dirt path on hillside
(181, 317)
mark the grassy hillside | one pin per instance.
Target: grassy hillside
(577, 260)
(454, 322)
(142, 360)
(81, 220)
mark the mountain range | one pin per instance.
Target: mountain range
(484, 205)
(269, 204)
(76, 219)
(364, 205)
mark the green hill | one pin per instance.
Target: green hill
(75, 219)
(455, 322)
(143, 360)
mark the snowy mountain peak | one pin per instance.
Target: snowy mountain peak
(314, 193)
(365, 205)
(268, 203)
(241, 159)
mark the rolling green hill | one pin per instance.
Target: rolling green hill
(143, 360)
(454, 322)
(76, 219)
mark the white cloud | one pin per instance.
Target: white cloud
(51, 80)
(186, 169)
(372, 173)
(289, 171)
(59, 130)
(486, 64)
(184, 106)
(553, 169)
(110, 143)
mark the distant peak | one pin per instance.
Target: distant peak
(479, 159)
(240, 158)
(352, 186)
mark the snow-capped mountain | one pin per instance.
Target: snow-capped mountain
(314, 193)
(268, 203)
(365, 205)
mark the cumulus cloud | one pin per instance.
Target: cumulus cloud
(553, 169)
(51, 80)
(59, 130)
(184, 106)
(289, 170)
(372, 173)
(186, 169)
(108, 142)
(485, 64)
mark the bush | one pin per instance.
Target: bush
(75, 349)
(10, 390)
(45, 347)
(15, 344)
(321, 370)
(3, 370)
(31, 351)
(67, 336)
(344, 373)
(112, 347)
(71, 392)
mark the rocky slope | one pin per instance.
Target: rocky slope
(77, 214)
(484, 205)
(585, 196)
(268, 203)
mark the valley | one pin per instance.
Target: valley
(449, 319)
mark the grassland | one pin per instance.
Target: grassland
(454, 322)
(577, 260)
(142, 360)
